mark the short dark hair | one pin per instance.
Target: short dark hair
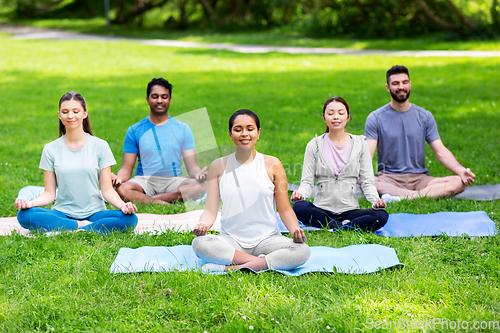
(335, 99)
(244, 112)
(159, 82)
(397, 69)
(73, 95)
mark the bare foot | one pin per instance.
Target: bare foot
(83, 223)
(160, 202)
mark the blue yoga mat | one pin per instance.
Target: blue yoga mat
(353, 259)
(443, 223)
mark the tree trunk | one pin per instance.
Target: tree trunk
(460, 15)
(212, 12)
(495, 14)
(48, 6)
(126, 15)
(440, 22)
(394, 17)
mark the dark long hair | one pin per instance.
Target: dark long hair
(335, 99)
(73, 95)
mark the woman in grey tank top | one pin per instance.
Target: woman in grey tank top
(250, 186)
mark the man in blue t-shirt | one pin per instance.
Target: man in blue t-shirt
(158, 142)
(399, 131)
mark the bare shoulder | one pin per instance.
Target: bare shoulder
(271, 160)
(218, 165)
(272, 163)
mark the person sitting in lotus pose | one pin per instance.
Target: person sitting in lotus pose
(250, 186)
(337, 159)
(76, 164)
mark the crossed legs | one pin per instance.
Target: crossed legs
(188, 189)
(105, 221)
(438, 187)
(364, 219)
(277, 252)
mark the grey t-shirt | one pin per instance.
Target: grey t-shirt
(401, 138)
(77, 175)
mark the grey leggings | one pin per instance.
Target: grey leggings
(280, 251)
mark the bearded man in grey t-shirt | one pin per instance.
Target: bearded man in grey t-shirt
(399, 131)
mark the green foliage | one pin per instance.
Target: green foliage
(62, 283)
(272, 36)
(315, 18)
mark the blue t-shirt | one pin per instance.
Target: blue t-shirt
(158, 148)
(401, 138)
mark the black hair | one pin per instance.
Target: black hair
(397, 69)
(335, 99)
(159, 82)
(73, 95)
(244, 112)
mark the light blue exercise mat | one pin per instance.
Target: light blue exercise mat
(353, 259)
(443, 223)
(453, 224)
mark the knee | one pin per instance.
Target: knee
(131, 221)
(301, 206)
(382, 215)
(195, 186)
(202, 187)
(201, 244)
(379, 185)
(296, 256)
(303, 253)
(122, 190)
(125, 189)
(23, 217)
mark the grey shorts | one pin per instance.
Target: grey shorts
(153, 185)
(408, 181)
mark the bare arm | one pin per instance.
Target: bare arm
(372, 146)
(125, 171)
(275, 168)
(449, 161)
(109, 193)
(193, 169)
(207, 218)
(47, 197)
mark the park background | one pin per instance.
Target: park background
(62, 283)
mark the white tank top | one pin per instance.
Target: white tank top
(248, 204)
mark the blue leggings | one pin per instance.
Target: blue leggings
(105, 221)
(364, 219)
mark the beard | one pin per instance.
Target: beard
(159, 113)
(401, 99)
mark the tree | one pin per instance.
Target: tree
(442, 23)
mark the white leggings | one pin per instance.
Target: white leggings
(280, 251)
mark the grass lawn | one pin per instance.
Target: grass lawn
(276, 37)
(62, 283)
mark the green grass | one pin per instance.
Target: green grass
(274, 37)
(62, 283)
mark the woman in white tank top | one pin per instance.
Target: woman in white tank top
(250, 186)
